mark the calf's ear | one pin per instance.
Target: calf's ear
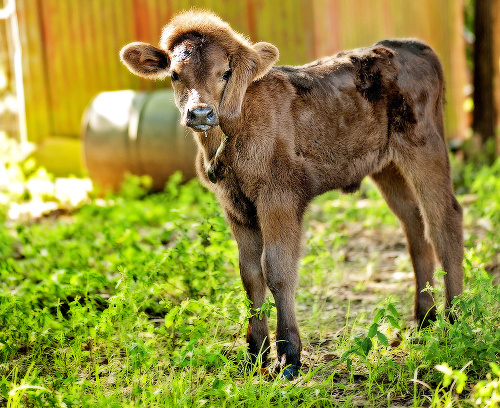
(248, 65)
(268, 55)
(145, 60)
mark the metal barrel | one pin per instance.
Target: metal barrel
(137, 133)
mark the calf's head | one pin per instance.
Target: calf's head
(209, 64)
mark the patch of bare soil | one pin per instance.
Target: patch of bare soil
(376, 265)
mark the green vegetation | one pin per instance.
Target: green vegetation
(133, 299)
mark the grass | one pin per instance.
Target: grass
(135, 300)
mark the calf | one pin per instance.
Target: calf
(270, 138)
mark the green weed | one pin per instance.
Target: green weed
(134, 299)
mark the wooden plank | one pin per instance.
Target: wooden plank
(90, 71)
(164, 11)
(34, 70)
(5, 65)
(322, 28)
(347, 39)
(387, 19)
(142, 33)
(8, 120)
(306, 39)
(68, 94)
(237, 16)
(126, 34)
(111, 47)
(77, 58)
(456, 61)
(285, 28)
(251, 23)
(334, 27)
(55, 68)
(97, 45)
(155, 25)
(124, 23)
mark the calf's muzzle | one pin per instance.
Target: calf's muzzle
(201, 119)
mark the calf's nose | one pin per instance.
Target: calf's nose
(201, 118)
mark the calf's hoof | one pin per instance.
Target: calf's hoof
(289, 372)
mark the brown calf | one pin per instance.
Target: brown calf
(272, 138)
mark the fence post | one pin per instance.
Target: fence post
(9, 13)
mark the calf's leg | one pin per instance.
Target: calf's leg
(429, 175)
(281, 231)
(404, 204)
(250, 251)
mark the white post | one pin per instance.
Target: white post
(9, 13)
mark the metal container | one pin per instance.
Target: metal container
(137, 133)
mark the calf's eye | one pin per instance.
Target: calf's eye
(226, 75)
(174, 76)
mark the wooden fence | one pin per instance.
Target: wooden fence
(70, 47)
